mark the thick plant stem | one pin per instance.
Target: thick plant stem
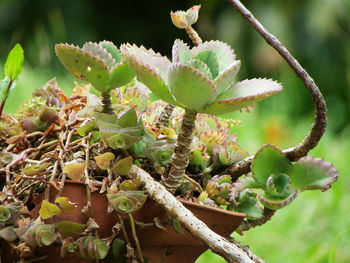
(106, 103)
(320, 122)
(182, 152)
(219, 245)
(163, 119)
(193, 36)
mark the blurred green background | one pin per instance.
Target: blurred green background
(316, 226)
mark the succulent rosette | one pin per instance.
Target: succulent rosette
(199, 79)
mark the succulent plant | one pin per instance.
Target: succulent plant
(100, 64)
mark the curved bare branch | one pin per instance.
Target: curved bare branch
(320, 122)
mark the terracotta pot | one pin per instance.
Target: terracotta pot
(158, 245)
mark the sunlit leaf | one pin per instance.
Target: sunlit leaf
(14, 62)
(74, 170)
(68, 228)
(103, 161)
(127, 201)
(123, 166)
(48, 210)
(65, 204)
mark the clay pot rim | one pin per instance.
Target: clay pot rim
(188, 203)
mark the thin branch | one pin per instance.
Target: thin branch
(197, 228)
(320, 122)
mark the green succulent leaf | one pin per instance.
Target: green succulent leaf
(45, 234)
(186, 82)
(98, 50)
(5, 214)
(223, 52)
(121, 74)
(279, 185)
(84, 65)
(123, 166)
(65, 204)
(150, 68)
(276, 203)
(14, 62)
(103, 161)
(92, 248)
(311, 173)
(127, 201)
(209, 58)
(86, 128)
(201, 66)
(181, 52)
(35, 169)
(74, 171)
(68, 228)
(48, 210)
(225, 79)
(132, 184)
(269, 160)
(248, 204)
(127, 119)
(112, 49)
(243, 94)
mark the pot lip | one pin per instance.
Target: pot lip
(189, 203)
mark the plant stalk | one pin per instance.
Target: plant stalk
(106, 103)
(133, 231)
(180, 158)
(5, 97)
(320, 122)
(163, 119)
(193, 36)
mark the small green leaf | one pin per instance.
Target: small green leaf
(48, 210)
(223, 52)
(132, 184)
(103, 161)
(86, 128)
(267, 161)
(98, 50)
(127, 119)
(68, 228)
(150, 68)
(102, 248)
(112, 49)
(83, 64)
(65, 204)
(74, 170)
(248, 204)
(243, 94)
(14, 62)
(45, 235)
(201, 66)
(121, 74)
(123, 166)
(225, 79)
(35, 169)
(181, 52)
(185, 81)
(209, 58)
(311, 173)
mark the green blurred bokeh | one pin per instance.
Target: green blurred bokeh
(315, 227)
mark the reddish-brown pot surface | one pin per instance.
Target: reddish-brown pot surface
(158, 245)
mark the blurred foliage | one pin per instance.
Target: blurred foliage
(317, 32)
